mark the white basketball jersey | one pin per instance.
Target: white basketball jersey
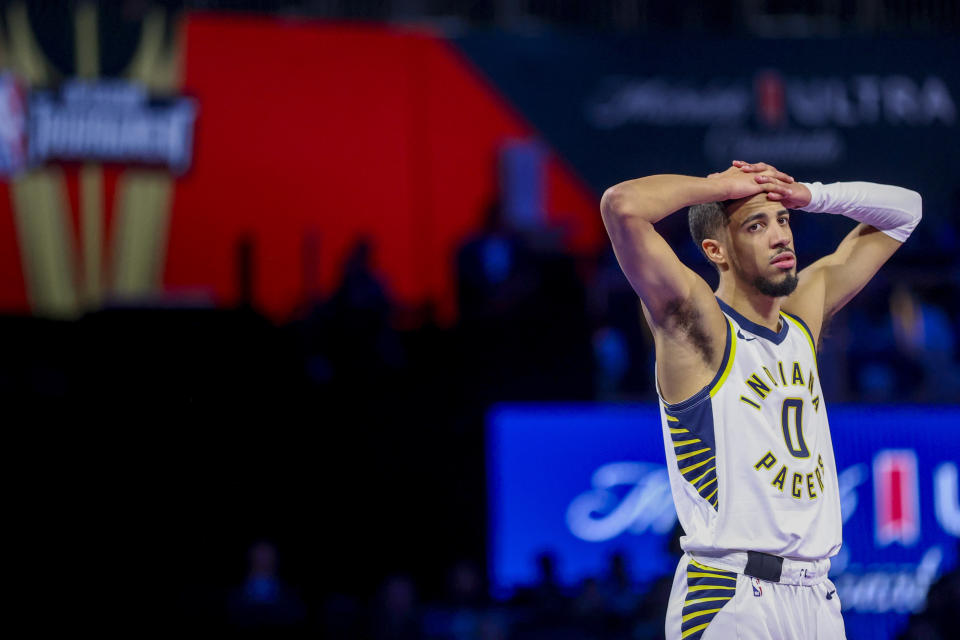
(750, 457)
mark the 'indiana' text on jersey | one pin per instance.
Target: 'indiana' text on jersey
(750, 457)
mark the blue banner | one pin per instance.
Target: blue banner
(585, 481)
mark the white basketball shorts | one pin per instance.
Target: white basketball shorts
(713, 604)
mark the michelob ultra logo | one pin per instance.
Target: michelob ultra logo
(774, 100)
(783, 118)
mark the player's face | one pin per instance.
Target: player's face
(762, 251)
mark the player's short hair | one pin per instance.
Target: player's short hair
(706, 221)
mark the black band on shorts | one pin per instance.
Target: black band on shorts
(763, 566)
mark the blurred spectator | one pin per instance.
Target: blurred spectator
(612, 358)
(620, 590)
(879, 371)
(464, 614)
(652, 606)
(493, 276)
(348, 341)
(360, 292)
(363, 342)
(621, 342)
(264, 602)
(923, 334)
(547, 593)
(342, 618)
(590, 608)
(395, 615)
(466, 587)
(544, 604)
(937, 621)
(524, 329)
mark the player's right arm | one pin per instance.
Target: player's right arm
(689, 329)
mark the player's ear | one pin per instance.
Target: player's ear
(715, 251)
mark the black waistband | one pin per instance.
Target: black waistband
(763, 566)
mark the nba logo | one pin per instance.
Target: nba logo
(13, 137)
(757, 587)
(896, 497)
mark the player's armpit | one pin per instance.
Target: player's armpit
(687, 324)
(662, 281)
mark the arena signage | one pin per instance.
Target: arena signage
(619, 107)
(895, 100)
(104, 121)
(110, 122)
(781, 118)
(585, 481)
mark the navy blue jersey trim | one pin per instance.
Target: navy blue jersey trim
(754, 328)
(695, 447)
(708, 591)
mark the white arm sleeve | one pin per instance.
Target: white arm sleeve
(893, 210)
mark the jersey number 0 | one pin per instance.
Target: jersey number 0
(794, 406)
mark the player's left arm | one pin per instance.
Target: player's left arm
(887, 216)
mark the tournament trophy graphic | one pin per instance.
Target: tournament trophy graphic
(91, 157)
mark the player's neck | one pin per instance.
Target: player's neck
(751, 304)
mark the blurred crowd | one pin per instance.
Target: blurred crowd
(538, 323)
(615, 605)
(356, 430)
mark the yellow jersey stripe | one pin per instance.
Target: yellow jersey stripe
(693, 630)
(684, 456)
(712, 494)
(705, 587)
(672, 419)
(672, 430)
(700, 477)
(695, 466)
(705, 567)
(698, 613)
(712, 480)
(728, 365)
(806, 334)
(683, 442)
(697, 574)
(699, 600)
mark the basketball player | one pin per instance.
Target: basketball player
(745, 427)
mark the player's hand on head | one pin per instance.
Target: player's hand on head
(743, 184)
(763, 168)
(791, 193)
